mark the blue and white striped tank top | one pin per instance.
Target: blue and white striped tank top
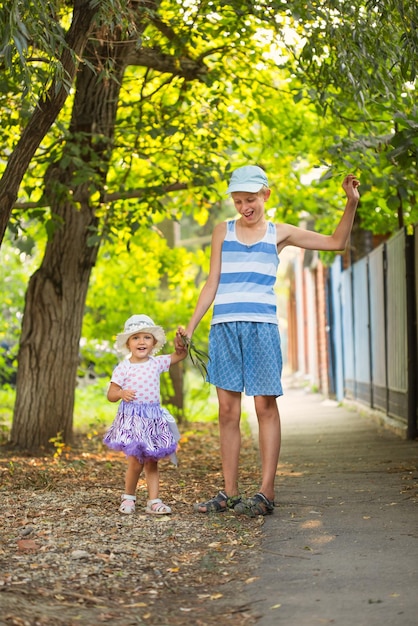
(248, 275)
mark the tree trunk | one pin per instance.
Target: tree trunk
(55, 300)
(48, 354)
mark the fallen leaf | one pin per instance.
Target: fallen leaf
(27, 545)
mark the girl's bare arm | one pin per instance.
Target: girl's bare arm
(116, 393)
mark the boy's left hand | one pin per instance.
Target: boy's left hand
(351, 185)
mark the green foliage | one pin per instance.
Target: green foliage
(92, 411)
(357, 51)
(35, 33)
(27, 45)
(387, 165)
(7, 400)
(358, 63)
(18, 261)
(200, 398)
(221, 103)
(141, 274)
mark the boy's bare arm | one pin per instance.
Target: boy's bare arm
(288, 235)
(208, 292)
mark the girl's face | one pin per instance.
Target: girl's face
(140, 345)
(250, 205)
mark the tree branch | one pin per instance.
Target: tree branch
(154, 59)
(160, 190)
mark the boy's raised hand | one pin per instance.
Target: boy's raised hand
(350, 186)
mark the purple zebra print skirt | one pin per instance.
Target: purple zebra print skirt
(143, 430)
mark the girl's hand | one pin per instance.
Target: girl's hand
(350, 186)
(127, 395)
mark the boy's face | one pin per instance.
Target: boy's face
(250, 205)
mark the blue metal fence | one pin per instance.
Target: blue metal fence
(375, 337)
(361, 315)
(377, 290)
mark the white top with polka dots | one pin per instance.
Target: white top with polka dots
(144, 378)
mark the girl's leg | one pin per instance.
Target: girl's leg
(269, 434)
(152, 476)
(132, 475)
(154, 505)
(133, 472)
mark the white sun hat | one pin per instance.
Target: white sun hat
(140, 324)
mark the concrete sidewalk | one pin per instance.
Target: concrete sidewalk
(342, 545)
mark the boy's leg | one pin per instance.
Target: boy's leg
(269, 434)
(230, 444)
(230, 437)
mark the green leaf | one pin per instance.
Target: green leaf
(198, 357)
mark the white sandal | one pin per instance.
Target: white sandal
(157, 507)
(128, 504)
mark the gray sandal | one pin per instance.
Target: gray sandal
(218, 504)
(257, 505)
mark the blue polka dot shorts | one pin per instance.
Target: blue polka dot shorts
(246, 356)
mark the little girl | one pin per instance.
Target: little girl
(142, 429)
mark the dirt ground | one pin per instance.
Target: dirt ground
(68, 557)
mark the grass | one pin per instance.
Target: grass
(92, 409)
(93, 412)
(7, 400)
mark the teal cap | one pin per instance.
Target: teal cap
(250, 178)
